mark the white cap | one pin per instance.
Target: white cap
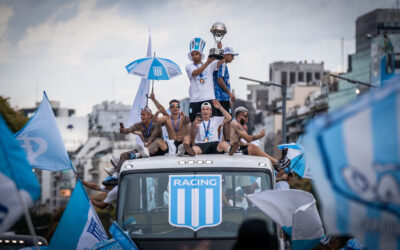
(229, 51)
(206, 104)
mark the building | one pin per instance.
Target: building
(258, 96)
(105, 117)
(74, 131)
(369, 27)
(55, 105)
(289, 73)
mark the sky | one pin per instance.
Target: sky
(77, 51)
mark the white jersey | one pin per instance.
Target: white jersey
(212, 127)
(199, 91)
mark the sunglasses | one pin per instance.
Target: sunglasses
(174, 106)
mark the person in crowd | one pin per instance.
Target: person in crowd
(109, 185)
(237, 132)
(177, 124)
(201, 77)
(206, 130)
(254, 234)
(150, 133)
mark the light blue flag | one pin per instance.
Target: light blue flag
(297, 160)
(16, 176)
(42, 140)
(295, 211)
(110, 244)
(121, 237)
(357, 151)
(79, 227)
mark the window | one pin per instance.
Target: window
(283, 78)
(292, 77)
(309, 77)
(143, 204)
(317, 76)
(301, 77)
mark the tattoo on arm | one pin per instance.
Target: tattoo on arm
(155, 132)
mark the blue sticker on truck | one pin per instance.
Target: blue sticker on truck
(195, 201)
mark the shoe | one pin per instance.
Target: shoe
(181, 150)
(109, 170)
(144, 152)
(283, 162)
(114, 161)
(189, 149)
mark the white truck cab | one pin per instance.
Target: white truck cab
(170, 202)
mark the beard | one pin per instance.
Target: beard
(241, 122)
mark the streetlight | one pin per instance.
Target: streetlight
(283, 87)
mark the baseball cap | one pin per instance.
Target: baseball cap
(206, 104)
(229, 51)
(240, 109)
(110, 181)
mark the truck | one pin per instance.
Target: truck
(169, 202)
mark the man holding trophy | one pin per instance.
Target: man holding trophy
(200, 74)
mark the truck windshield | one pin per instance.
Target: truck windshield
(146, 210)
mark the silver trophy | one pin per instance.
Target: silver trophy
(218, 30)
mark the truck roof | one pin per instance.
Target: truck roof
(199, 161)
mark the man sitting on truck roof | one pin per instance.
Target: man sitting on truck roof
(178, 125)
(206, 130)
(151, 134)
(238, 133)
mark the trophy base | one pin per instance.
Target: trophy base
(216, 53)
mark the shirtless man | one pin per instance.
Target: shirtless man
(237, 133)
(177, 124)
(151, 134)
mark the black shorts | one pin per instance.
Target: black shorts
(177, 143)
(226, 105)
(209, 147)
(244, 150)
(161, 152)
(195, 107)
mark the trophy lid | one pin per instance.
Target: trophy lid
(218, 29)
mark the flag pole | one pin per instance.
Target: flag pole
(152, 82)
(29, 222)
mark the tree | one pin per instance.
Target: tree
(15, 120)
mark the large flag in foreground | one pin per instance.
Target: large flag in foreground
(79, 227)
(140, 101)
(357, 149)
(297, 160)
(295, 211)
(16, 176)
(42, 140)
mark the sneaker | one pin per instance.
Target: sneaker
(109, 170)
(189, 149)
(144, 152)
(181, 150)
(284, 161)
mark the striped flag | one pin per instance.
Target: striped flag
(79, 227)
(357, 149)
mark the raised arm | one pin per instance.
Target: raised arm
(158, 105)
(227, 116)
(200, 70)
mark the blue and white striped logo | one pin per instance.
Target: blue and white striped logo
(195, 201)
